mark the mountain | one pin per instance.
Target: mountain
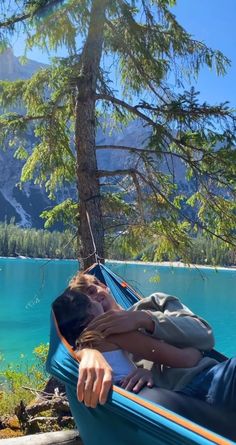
(23, 205)
(26, 204)
(12, 69)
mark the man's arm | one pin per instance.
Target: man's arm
(162, 316)
(175, 323)
(156, 351)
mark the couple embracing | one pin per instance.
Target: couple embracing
(159, 329)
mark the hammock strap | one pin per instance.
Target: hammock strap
(95, 253)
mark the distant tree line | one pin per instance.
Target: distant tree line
(211, 252)
(203, 250)
(17, 241)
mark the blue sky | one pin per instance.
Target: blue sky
(214, 23)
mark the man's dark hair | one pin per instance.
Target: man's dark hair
(71, 310)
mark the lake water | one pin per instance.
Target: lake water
(28, 286)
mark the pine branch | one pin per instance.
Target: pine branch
(157, 191)
(130, 108)
(191, 110)
(140, 151)
(14, 19)
(123, 172)
(137, 65)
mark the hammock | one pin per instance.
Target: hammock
(126, 418)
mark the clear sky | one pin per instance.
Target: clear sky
(214, 23)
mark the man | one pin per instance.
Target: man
(161, 316)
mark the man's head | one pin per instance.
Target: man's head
(94, 289)
(74, 311)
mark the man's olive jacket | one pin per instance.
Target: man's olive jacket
(177, 325)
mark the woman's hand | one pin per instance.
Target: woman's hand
(95, 378)
(137, 380)
(118, 322)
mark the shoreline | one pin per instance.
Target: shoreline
(173, 264)
(177, 264)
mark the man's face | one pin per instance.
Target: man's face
(96, 308)
(100, 293)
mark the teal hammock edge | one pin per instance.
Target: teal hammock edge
(125, 419)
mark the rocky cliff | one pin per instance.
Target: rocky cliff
(22, 205)
(12, 69)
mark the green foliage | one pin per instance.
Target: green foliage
(155, 279)
(15, 377)
(36, 243)
(41, 353)
(201, 250)
(67, 212)
(156, 241)
(143, 203)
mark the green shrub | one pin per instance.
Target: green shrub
(16, 378)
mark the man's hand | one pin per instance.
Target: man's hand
(95, 378)
(118, 322)
(137, 380)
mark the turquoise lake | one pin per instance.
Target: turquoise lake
(28, 286)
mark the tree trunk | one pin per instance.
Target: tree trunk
(85, 132)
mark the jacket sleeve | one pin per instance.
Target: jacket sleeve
(175, 323)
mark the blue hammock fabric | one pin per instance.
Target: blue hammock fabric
(126, 418)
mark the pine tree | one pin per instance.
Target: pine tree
(148, 51)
